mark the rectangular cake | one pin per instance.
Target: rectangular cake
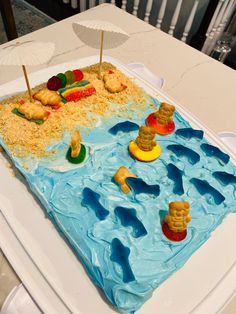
(117, 236)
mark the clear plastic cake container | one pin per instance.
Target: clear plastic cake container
(52, 273)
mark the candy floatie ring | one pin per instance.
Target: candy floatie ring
(162, 129)
(80, 158)
(77, 151)
(141, 155)
(145, 147)
(162, 120)
(171, 235)
(175, 223)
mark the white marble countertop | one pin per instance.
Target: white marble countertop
(202, 85)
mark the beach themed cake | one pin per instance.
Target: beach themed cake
(129, 184)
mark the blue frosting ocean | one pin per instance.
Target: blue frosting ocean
(118, 237)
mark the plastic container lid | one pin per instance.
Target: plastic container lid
(145, 73)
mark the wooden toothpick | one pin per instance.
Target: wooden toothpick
(101, 50)
(27, 82)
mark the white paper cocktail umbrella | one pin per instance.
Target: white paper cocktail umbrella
(100, 34)
(27, 53)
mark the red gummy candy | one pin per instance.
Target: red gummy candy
(123, 86)
(171, 235)
(55, 107)
(159, 128)
(78, 75)
(110, 72)
(54, 83)
(79, 94)
(21, 101)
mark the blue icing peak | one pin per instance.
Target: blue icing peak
(139, 186)
(128, 217)
(189, 133)
(184, 151)
(215, 152)
(204, 187)
(120, 255)
(125, 127)
(91, 200)
(176, 176)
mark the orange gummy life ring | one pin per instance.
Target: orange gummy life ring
(159, 128)
(171, 235)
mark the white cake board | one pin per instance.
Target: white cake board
(53, 275)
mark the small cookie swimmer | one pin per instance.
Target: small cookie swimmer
(175, 223)
(77, 151)
(162, 120)
(145, 147)
(120, 177)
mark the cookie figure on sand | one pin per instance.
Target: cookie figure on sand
(48, 97)
(145, 147)
(32, 111)
(162, 120)
(112, 82)
(175, 223)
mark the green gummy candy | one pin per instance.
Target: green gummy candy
(63, 79)
(70, 76)
(18, 113)
(80, 158)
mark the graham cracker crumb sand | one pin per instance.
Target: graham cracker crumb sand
(24, 137)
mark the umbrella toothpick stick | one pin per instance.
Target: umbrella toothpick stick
(101, 50)
(27, 82)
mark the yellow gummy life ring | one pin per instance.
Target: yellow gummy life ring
(141, 155)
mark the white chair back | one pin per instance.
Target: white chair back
(158, 13)
(218, 23)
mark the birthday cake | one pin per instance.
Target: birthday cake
(129, 184)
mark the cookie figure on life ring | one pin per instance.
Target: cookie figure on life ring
(145, 147)
(162, 120)
(175, 223)
(77, 151)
